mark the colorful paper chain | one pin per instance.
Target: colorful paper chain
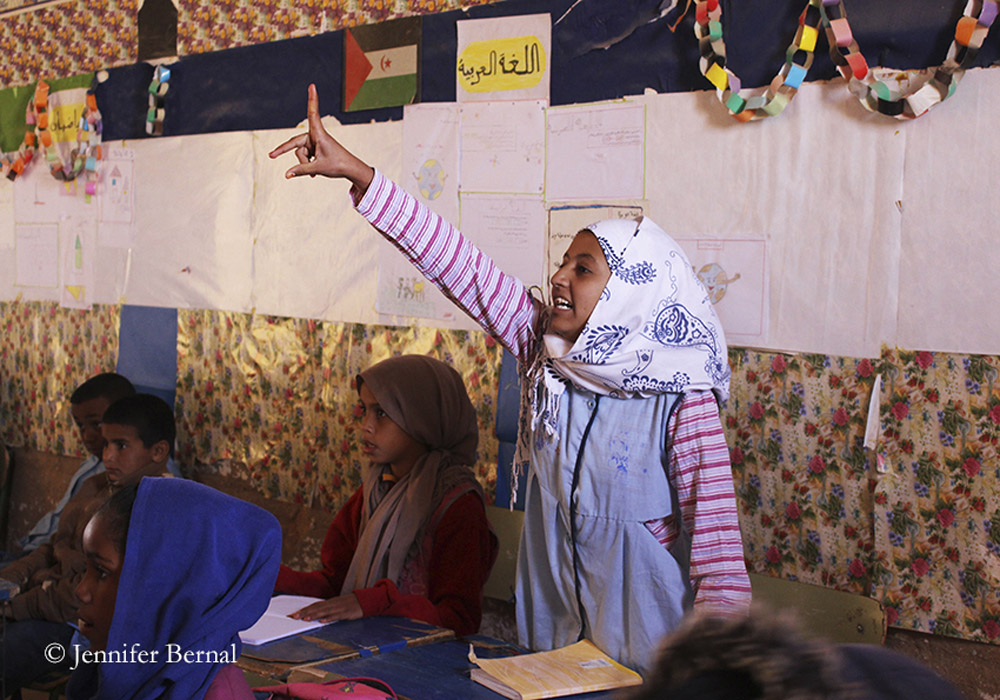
(876, 95)
(157, 98)
(83, 158)
(747, 105)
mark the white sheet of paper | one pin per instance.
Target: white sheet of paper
(595, 151)
(734, 273)
(76, 262)
(275, 624)
(193, 246)
(6, 213)
(821, 182)
(116, 198)
(565, 221)
(314, 255)
(40, 198)
(510, 230)
(504, 58)
(503, 147)
(430, 156)
(948, 255)
(36, 251)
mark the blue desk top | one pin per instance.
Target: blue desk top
(436, 671)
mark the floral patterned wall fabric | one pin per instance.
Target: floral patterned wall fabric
(80, 36)
(916, 524)
(45, 353)
(211, 25)
(937, 527)
(67, 38)
(277, 396)
(795, 426)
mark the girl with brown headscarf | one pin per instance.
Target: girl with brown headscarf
(413, 541)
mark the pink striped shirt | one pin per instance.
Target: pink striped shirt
(700, 472)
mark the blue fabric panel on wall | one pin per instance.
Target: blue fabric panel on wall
(601, 49)
(147, 350)
(508, 409)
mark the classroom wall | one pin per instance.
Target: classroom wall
(879, 262)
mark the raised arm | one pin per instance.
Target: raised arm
(321, 154)
(496, 301)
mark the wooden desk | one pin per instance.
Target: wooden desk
(348, 639)
(437, 671)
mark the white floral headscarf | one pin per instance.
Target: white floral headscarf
(652, 331)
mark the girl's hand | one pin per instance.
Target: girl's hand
(321, 154)
(345, 607)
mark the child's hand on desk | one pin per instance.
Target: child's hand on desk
(321, 154)
(344, 607)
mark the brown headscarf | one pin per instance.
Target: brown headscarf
(427, 399)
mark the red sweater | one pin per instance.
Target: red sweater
(462, 551)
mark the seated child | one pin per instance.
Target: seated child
(87, 405)
(413, 541)
(765, 657)
(175, 569)
(139, 432)
(630, 516)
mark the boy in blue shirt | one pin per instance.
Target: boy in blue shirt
(138, 433)
(87, 405)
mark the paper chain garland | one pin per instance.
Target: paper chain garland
(875, 94)
(83, 158)
(157, 98)
(754, 104)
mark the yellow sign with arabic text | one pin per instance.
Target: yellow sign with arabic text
(64, 120)
(513, 63)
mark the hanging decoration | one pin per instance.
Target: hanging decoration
(751, 104)
(14, 164)
(157, 111)
(903, 94)
(906, 94)
(38, 139)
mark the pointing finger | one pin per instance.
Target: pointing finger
(297, 141)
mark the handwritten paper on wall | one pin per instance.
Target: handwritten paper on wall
(595, 152)
(510, 230)
(116, 197)
(430, 156)
(504, 58)
(503, 147)
(36, 252)
(76, 262)
(734, 273)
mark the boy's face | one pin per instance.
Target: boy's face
(126, 459)
(98, 589)
(577, 286)
(87, 416)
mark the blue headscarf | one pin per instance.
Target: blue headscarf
(199, 567)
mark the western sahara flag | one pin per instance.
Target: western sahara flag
(382, 64)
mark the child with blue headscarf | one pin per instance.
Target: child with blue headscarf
(630, 518)
(175, 570)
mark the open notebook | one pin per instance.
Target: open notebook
(275, 623)
(578, 668)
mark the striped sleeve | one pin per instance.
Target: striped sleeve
(496, 301)
(702, 478)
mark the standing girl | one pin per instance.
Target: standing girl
(630, 515)
(413, 541)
